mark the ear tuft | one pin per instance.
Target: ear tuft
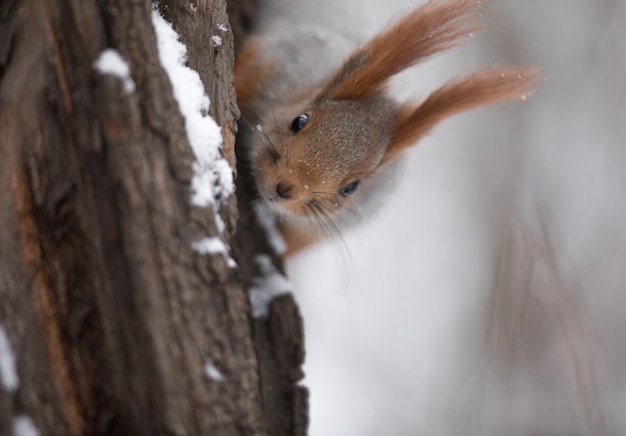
(422, 33)
(459, 95)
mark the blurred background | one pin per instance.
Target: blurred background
(488, 296)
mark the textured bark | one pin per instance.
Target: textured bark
(110, 313)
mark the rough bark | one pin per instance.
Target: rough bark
(110, 313)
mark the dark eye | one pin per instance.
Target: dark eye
(350, 188)
(299, 122)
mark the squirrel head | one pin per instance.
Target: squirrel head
(314, 156)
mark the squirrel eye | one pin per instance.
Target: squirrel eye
(299, 122)
(349, 189)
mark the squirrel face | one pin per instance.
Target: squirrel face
(311, 158)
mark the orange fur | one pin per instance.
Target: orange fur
(425, 31)
(478, 89)
(250, 74)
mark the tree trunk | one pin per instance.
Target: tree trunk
(117, 326)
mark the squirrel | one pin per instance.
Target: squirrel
(315, 135)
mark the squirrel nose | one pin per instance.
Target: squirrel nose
(283, 190)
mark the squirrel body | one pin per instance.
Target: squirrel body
(317, 129)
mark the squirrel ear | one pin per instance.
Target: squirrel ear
(478, 89)
(425, 31)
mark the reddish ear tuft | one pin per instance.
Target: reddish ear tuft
(425, 31)
(478, 89)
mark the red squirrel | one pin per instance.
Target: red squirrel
(315, 136)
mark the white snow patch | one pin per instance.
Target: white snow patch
(111, 62)
(222, 27)
(214, 245)
(8, 373)
(212, 372)
(213, 178)
(217, 40)
(24, 426)
(267, 220)
(266, 287)
(219, 223)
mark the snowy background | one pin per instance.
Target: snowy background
(488, 297)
